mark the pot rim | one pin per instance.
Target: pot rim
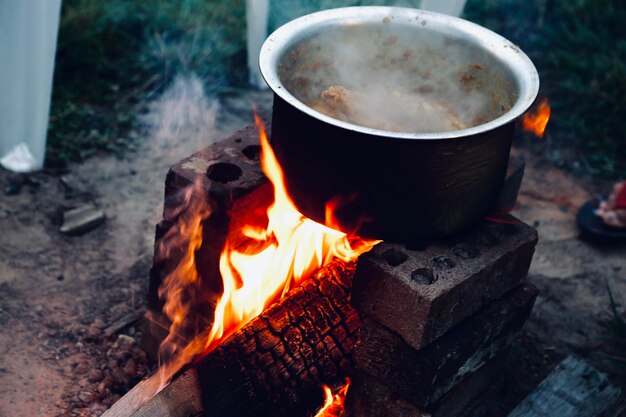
(508, 53)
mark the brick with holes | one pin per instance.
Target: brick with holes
(424, 376)
(422, 292)
(220, 181)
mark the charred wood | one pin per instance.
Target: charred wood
(273, 366)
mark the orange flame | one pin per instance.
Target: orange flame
(274, 259)
(536, 120)
(175, 287)
(334, 403)
(501, 218)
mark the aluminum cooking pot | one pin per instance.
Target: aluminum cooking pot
(398, 121)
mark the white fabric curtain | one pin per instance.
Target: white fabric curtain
(28, 37)
(450, 7)
(257, 15)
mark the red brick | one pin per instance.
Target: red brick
(369, 397)
(424, 376)
(392, 285)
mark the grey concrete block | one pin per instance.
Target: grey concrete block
(421, 294)
(370, 397)
(424, 376)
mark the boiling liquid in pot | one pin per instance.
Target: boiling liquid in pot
(393, 77)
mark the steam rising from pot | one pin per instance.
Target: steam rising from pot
(397, 78)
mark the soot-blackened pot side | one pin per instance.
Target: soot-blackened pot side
(393, 189)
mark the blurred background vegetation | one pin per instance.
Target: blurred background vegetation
(579, 48)
(113, 56)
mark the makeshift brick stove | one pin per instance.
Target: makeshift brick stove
(419, 330)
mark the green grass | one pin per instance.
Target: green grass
(113, 54)
(579, 47)
(616, 327)
(586, 67)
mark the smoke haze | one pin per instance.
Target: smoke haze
(398, 77)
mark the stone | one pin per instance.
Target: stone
(86, 396)
(72, 185)
(424, 376)
(105, 384)
(81, 368)
(130, 369)
(125, 342)
(442, 283)
(95, 375)
(81, 220)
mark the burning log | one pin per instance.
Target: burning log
(275, 365)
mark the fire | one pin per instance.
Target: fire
(499, 218)
(273, 260)
(333, 404)
(536, 120)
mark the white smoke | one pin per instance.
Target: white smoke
(183, 113)
(396, 77)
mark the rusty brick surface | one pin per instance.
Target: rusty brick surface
(422, 292)
(369, 397)
(226, 178)
(228, 168)
(424, 376)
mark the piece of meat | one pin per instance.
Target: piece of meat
(336, 102)
(388, 110)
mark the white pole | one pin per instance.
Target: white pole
(28, 37)
(449, 7)
(257, 15)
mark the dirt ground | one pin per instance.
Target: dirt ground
(62, 298)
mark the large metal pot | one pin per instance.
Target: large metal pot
(394, 184)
